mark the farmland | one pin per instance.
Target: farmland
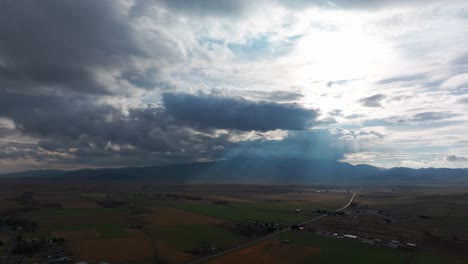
(137, 223)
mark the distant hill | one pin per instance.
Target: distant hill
(257, 170)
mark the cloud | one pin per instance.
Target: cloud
(276, 96)
(418, 120)
(432, 116)
(336, 112)
(373, 101)
(352, 4)
(454, 158)
(404, 78)
(79, 130)
(50, 47)
(236, 113)
(354, 116)
(207, 7)
(456, 81)
(341, 82)
(463, 100)
(461, 60)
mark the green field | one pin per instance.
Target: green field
(106, 230)
(346, 251)
(51, 220)
(335, 250)
(425, 257)
(76, 212)
(159, 224)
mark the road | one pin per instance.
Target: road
(348, 204)
(208, 258)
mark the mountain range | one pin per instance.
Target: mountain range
(257, 170)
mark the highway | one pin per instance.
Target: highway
(208, 258)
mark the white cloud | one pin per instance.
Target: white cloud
(456, 81)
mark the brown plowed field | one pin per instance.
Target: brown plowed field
(268, 251)
(77, 234)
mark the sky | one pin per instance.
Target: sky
(114, 83)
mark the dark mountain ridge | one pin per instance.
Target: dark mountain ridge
(256, 170)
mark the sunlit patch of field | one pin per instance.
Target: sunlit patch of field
(268, 251)
(168, 216)
(74, 205)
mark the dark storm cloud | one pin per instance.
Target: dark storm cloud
(235, 113)
(204, 7)
(44, 115)
(79, 127)
(78, 131)
(237, 8)
(59, 45)
(373, 101)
